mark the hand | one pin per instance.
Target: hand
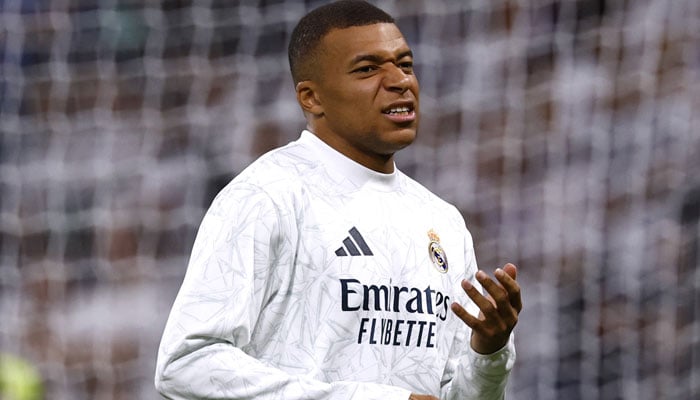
(499, 310)
(414, 396)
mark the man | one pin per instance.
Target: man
(322, 271)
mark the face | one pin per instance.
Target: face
(364, 98)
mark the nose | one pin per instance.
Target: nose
(397, 79)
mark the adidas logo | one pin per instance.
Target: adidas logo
(356, 247)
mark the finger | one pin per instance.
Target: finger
(464, 315)
(485, 304)
(505, 310)
(506, 278)
(496, 292)
(421, 397)
(511, 270)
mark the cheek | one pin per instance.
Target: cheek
(354, 104)
(361, 92)
(415, 87)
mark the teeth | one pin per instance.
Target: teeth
(398, 110)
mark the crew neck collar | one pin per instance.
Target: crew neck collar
(356, 173)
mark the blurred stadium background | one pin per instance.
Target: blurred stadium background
(566, 131)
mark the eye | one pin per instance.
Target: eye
(365, 69)
(407, 66)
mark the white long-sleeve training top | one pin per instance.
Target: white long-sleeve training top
(313, 277)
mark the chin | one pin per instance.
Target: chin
(407, 135)
(402, 139)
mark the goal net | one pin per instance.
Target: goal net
(566, 131)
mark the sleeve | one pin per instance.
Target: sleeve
(203, 349)
(468, 374)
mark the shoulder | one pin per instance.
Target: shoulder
(415, 189)
(280, 165)
(275, 178)
(441, 210)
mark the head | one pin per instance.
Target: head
(353, 72)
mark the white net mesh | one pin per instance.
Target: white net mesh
(565, 130)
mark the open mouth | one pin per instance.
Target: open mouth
(399, 111)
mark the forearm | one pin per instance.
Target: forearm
(482, 377)
(222, 371)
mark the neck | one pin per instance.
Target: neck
(382, 163)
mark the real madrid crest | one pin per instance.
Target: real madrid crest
(437, 253)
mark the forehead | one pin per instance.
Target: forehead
(378, 39)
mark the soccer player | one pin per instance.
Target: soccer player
(322, 271)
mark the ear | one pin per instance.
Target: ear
(308, 98)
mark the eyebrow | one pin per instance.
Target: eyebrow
(378, 59)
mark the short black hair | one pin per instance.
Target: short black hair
(308, 33)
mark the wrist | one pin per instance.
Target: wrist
(487, 346)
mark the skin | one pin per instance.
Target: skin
(499, 309)
(421, 397)
(360, 73)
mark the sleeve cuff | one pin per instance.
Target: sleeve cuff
(494, 364)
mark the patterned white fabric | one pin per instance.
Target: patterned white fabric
(313, 277)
